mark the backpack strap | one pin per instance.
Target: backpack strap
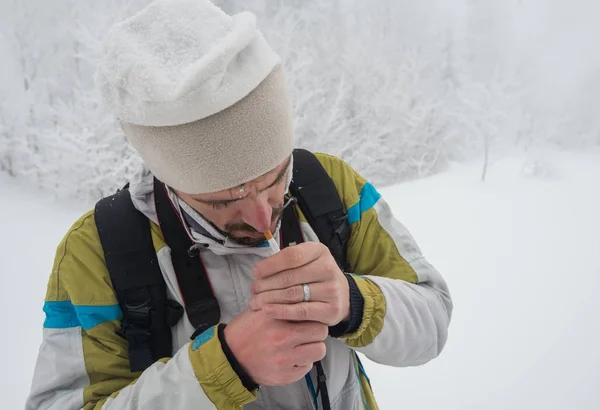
(291, 234)
(201, 305)
(320, 202)
(137, 280)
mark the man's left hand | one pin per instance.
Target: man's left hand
(278, 288)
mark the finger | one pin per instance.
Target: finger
(319, 292)
(315, 311)
(309, 353)
(289, 258)
(311, 272)
(308, 332)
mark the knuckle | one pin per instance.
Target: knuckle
(324, 251)
(286, 279)
(319, 351)
(263, 317)
(259, 299)
(283, 312)
(324, 331)
(264, 298)
(322, 350)
(302, 311)
(330, 287)
(330, 317)
(292, 294)
(295, 255)
(336, 309)
(322, 246)
(281, 337)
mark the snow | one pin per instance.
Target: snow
(32, 226)
(521, 257)
(520, 253)
(397, 87)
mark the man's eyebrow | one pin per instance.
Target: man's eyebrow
(217, 201)
(277, 180)
(279, 176)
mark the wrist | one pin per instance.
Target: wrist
(245, 378)
(356, 309)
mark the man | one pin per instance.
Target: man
(202, 98)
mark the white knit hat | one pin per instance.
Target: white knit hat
(183, 78)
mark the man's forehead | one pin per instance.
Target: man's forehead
(226, 194)
(279, 168)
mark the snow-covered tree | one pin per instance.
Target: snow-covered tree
(397, 88)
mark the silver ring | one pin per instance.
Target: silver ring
(306, 290)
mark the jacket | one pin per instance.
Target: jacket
(83, 363)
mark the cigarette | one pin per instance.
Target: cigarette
(272, 243)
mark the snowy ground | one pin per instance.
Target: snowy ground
(521, 255)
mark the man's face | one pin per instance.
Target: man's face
(244, 215)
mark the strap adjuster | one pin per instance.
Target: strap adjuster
(139, 315)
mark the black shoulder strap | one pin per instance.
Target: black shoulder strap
(319, 201)
(201, 305)
(137, 280)
(292, 235)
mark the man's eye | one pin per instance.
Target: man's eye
(278, 181)
(220, 205)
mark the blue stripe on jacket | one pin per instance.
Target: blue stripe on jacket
(63, 314)
(368, 197)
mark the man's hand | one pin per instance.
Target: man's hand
(275, 352)
(278, 286)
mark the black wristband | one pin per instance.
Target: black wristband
(357, 304)
(237, 367)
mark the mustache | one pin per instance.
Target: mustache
(275, 215)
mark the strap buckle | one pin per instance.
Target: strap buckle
(136, 330)
(139, 315)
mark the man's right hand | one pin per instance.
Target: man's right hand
(275, 352)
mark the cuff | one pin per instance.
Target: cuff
(356, 311)
(372, 317)
(215, 373)
(237, 367)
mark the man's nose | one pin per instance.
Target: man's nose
(257, 213)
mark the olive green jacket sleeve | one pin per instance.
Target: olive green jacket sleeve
(83, 362)
(407, 304)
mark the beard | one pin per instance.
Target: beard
(238, 232)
